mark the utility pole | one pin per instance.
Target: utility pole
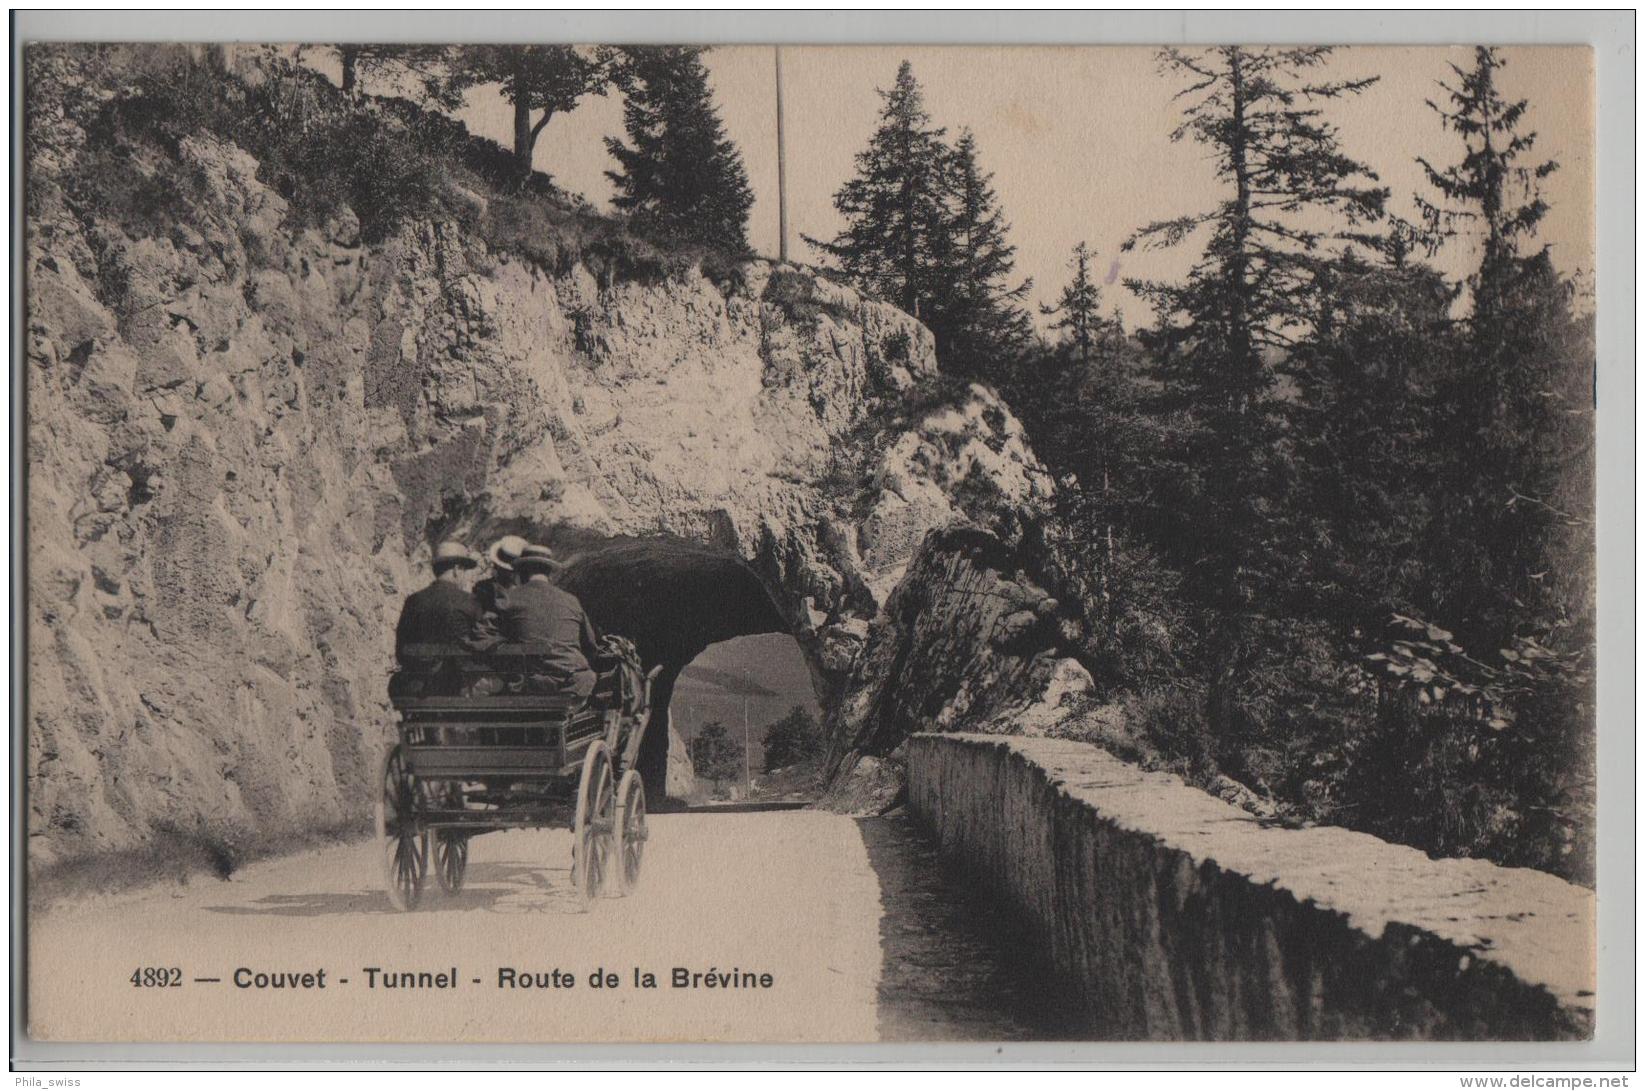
(748, 770)
(782, 168)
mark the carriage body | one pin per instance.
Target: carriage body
(479, 751)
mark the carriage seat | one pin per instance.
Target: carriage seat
(455, 670)
(449, 694)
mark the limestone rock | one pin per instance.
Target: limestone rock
(682, 779)
(244, 433)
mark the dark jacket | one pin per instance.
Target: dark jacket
(441, 613)
(537, 612)
(489, 594)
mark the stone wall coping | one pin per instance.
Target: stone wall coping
(1533, 924)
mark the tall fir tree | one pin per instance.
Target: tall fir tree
(896, 212)
(924, 229)
(679, 175)
(1516, 408)
(1078, 309)
(1362, 426)
(1489, 193)
(1513, 534)
(976, 311)
(1220, 333)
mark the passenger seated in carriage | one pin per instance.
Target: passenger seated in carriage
(444, 611)
(535, 611)
(490, 591)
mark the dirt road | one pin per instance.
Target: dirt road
(861, 937)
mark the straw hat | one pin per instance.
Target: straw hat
(505, 549)
(449, 554)
(534, 559)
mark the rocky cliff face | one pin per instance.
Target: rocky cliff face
(243, 437)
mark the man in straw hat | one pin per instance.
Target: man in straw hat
(443, 612)
(535, 611)
(490, 590)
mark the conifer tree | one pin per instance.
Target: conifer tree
(924, 229)
(1362, 425)
(715, 754)
(1077, 310)
(1451, 473)
(1516, 404)
(1488, 192)
(791, 739)
(975, 313)
(895, 209)
(1220, 333)
(679, 175)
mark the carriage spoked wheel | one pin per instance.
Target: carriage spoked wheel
(404, 847)
(450, 859)
(631, 831)
(448, 848)
(594, 827)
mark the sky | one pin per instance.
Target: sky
(1077, 138)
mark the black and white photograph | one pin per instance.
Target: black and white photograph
(808, 544)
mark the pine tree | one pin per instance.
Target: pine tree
(975, 313)
(715, 754)
(791, 739)
(1479, 192)
(1078, 307)
(924, 229)
(1452, 474)
(540, 80)
(1515, 404)
(1363, 429)
(895, 209)
(683, 177)
(1220, 333)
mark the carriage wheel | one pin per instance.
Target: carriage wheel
(404, 848)
(593, 829)
(631, 831)
(450, 859)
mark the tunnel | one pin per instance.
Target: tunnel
(673, 598)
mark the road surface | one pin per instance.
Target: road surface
(862, 937)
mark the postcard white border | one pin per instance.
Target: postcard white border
(1612, 36)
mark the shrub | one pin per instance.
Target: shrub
(314, 146)
(1173, 724)
(794, 738)
(388, 160)
(715, 755)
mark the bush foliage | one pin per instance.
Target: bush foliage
(389, 160)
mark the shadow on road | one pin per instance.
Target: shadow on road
(744, 808)
(954, 967)
(498, 887)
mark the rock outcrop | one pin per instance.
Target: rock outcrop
(244, 434)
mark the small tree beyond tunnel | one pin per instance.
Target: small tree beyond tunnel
(673, 598)
(747, 708)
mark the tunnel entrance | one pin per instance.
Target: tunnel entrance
(727, 702)
(677, 599)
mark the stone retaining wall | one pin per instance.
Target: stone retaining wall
(1167, 914)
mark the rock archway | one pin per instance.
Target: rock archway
(246, 431)
(673, 598)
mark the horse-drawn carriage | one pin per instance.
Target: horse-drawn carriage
(479, 751)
